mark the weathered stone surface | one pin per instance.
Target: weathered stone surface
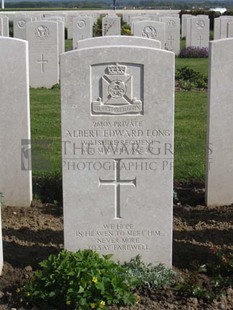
(15, 167)
(220, 133)
(117, 132)
(43, 53)
(117, 40)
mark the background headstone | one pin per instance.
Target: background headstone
(220, 133)
(61, 36)
(1, 27)
(117, 133)
(111, 25)
(221, 27)
(172, 34)
(5, 20)
(69, 25)
(61, 31)
(43, 53)
(82, 29)
(230, 29)
(198, 32)
(115, 40)
(184, 19)
(15, 167)
(20, 27)
(1, 247)
(151, 30)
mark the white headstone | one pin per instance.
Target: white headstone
(60, 18)
(136, 19)
(224, 20)
(230, 29)
(217, 25)
(117, 132)
(198, 32)
(61, 36)
(69, 25)
(1, 245)
(82, 29)
(1, 27)
(151, 30)
(15, 164)
(172, 34)
(20, 27)
(61, 30)
(43, 53)
(184, 19)
(117, 40)
(5, 26)
(220, 133)
(111, 25)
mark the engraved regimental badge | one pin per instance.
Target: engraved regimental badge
(149, 32)
(116, 93)
(42, 32)
(21, 23)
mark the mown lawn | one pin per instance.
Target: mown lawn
(190, 128)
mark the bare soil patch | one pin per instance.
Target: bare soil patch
(31, 234)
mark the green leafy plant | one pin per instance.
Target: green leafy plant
(126, 29)
(48, 187)
(97, 28)
(186, 85)
(148, 275)
(189, 79)
(221, 267)
(210, 280)
(195, 284)
(82, 281)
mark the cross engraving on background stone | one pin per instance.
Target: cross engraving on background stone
(200, 40)
(42, 61)
(117, 183)
(170, 40)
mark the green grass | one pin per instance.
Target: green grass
(190, 128)
(45, 130)
(190, 134)
(68, 45)
(197, 64)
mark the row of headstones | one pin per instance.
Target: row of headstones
(165, 29)
(196, 29)
(46, 40)
(117, 136)
(223, 27)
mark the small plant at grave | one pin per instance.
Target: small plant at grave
(126, 29)
(195, 284)
(221, 268)
(97, 28)
(189, 79)
(56, 86)
(80, 281)
(149, 276)
(211, 280)
(48, 187)
(194, 52)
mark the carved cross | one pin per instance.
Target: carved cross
(117, 183)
